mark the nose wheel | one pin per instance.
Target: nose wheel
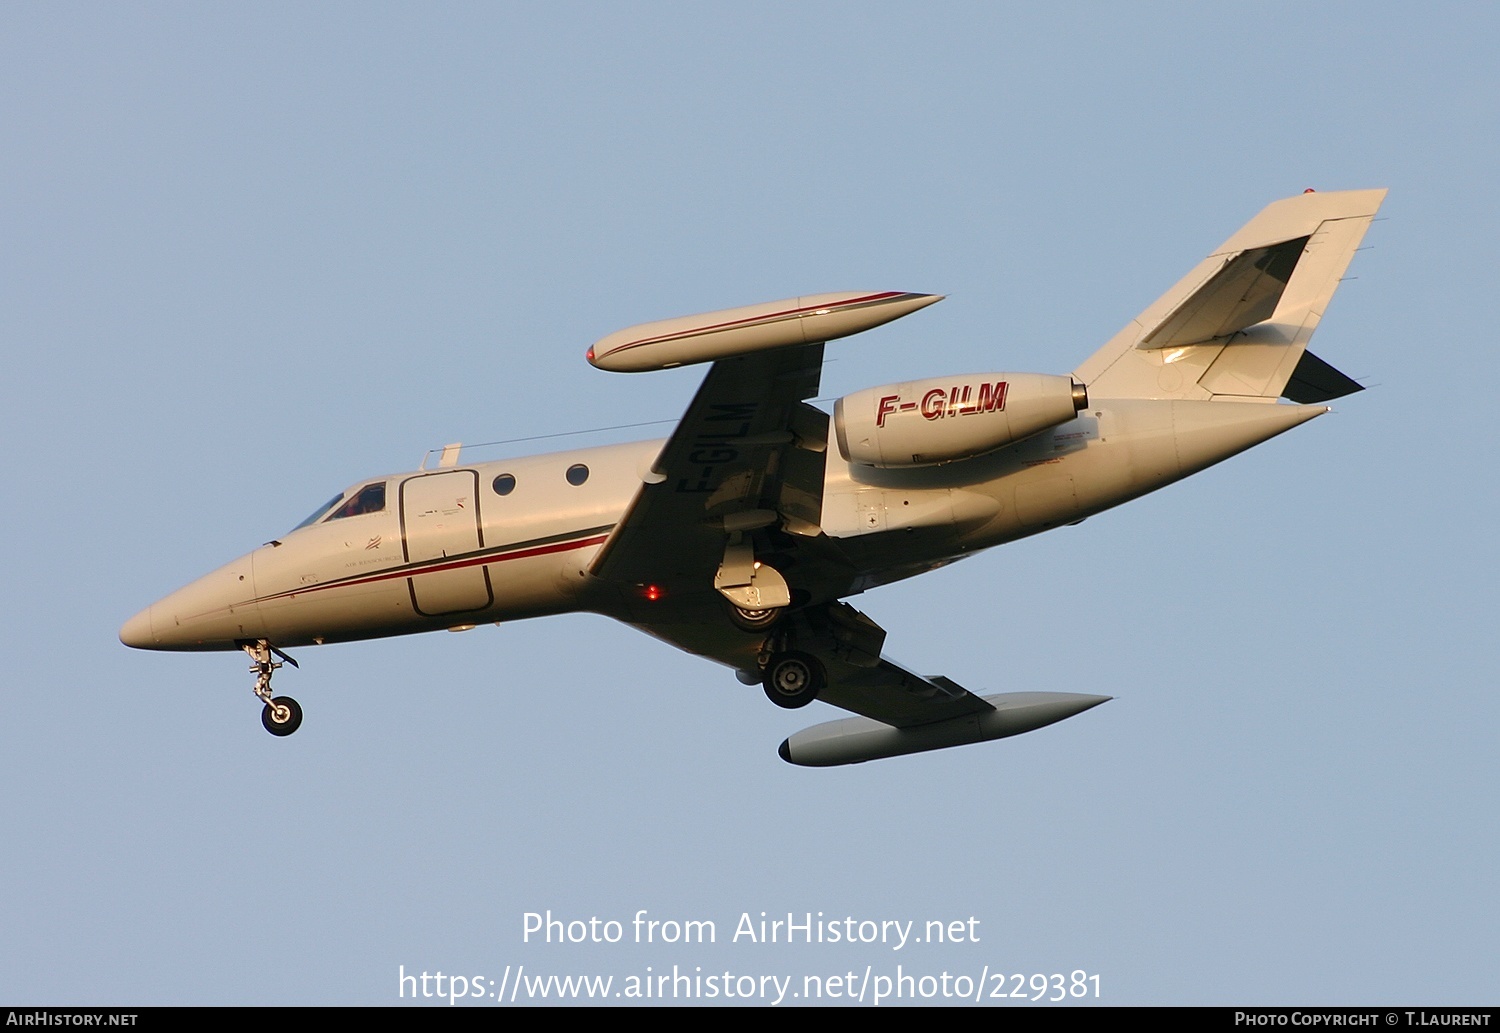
(281, 715)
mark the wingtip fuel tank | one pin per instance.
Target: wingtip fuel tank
(857, 739)
(737, 331)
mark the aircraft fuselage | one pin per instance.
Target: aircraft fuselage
(501, 541)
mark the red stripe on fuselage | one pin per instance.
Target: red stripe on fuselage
(455, 564)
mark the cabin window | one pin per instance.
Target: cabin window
(369, 499)
(505, 484)
(577, 474)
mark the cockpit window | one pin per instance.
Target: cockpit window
(314, 516)
(369, 499)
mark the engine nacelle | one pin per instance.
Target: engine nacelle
(942, 419)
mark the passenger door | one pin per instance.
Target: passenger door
(440, 521)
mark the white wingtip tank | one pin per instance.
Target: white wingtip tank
(738, 331)
(855, 740)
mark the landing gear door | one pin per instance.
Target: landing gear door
(440, 522)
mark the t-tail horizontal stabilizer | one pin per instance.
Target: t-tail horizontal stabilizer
(857, 739)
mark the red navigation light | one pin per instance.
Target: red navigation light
(653, 592)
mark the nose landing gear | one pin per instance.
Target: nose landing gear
(281, 715)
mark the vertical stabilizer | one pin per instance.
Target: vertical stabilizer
(1237, 326)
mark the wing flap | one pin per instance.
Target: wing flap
(893, 695)
(862, 680)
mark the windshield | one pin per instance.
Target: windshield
(369, 499)
(325, 507)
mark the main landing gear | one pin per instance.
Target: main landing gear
(281, 715)
(793, 679)
(762, 619)
(794, 662)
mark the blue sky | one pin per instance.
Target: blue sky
(253, 253)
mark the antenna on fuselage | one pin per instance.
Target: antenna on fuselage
(447, 459)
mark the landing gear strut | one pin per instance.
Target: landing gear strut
(281, 715)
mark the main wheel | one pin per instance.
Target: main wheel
(793, 680)
(281, 716)
(754, 620)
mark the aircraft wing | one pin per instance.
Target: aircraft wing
(892, 695)
(747, 457)
(747, 453)
(746, 463)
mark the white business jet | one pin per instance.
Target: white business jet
(740, 535)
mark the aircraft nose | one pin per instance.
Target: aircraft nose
(213, 612)
(136, 632)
